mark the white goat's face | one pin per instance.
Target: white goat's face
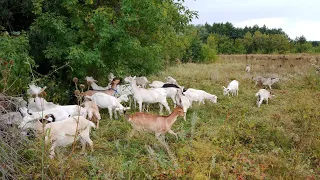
(213, 99)
(225, 91)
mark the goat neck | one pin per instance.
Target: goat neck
(171, 119)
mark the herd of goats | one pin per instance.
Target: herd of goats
(70, 122)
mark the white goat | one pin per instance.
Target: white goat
(58, 114)
(171, 80)
(37, 103)
(157, 95)
(265, 81)
(106, 101)
(200, 96)
(263, 94)
(248, 68)
(94, 85)
(156, 84)
(233, 87)
(141, 81)
(64, 133)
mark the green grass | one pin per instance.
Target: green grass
(228, 140)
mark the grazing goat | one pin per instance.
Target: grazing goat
(265, 81)
(94, 85)
(171, 80)
(156, 84)
(38, 103)
(157, 95)
(263, 94)
(199, 95)
(155, 123)
(233, 87)
(63, 133)
(140, 81)
(58, 113)
(248, 68)
(159, 84)
(106, 101)
(92, 112)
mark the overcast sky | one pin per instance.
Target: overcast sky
(295, 17)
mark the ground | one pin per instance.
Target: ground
(233, 139)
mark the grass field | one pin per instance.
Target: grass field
(232, 139)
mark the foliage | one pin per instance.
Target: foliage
(256, 40)
(15, 15)
(16, 64)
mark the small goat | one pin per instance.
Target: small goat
(156, 84)
(233, 87)
(248, 68)
(141, 81)
(155, 123)
(171, 80)
(265, 81)
(64, 132)
(106, 101)
(263, 94)
(199, 95)
(94, 85)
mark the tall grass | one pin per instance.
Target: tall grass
(232, 139)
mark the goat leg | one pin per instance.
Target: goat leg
(171, 132)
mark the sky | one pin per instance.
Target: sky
(295, 17)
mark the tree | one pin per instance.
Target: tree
(248, 42)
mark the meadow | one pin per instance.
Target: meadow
(233, 139)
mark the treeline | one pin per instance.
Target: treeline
(256, 40)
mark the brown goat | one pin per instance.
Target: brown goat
(155, 123)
